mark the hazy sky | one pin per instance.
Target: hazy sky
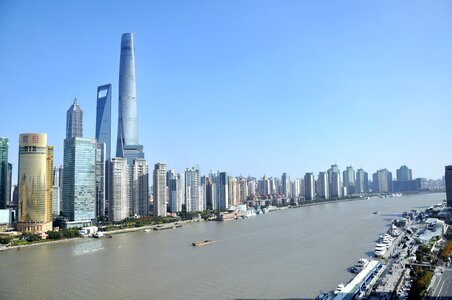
(248, 87)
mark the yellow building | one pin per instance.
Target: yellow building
(35, 183)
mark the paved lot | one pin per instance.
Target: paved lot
(442, 289)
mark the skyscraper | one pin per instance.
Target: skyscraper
(349, 180)
(322, 186)
(309, 183)
(159, 190)
(127, 143)
(34, 183)
(221, 194)
(103, 118)
(79, 180)
(382, 181)
(404, 174)
(118, 175)
(140, 187)
(74, 121)
(362, 182)
(3, 172)
(285, 185)
(101, 180)
(176, 190)
(193, 197)
(127, 115)
(448, 179)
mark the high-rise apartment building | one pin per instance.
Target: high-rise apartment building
(323, 186)
(362, 182)
(103, 118)
(448, 181)
(404, 173)
(233, 191)
(349, 180)
(34, 183)
(140, 187)
(176, 191)
(118, 176)
(159, 190)
(309, 183)
(382, 181)
(4, 197)
(285, 185)
(221, 195)
(334, 177)
(79, 180)
(193, 190)
(74, 121)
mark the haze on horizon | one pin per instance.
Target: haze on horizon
(248, 87)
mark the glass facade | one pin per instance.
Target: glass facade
(79, 180)
(127, 113)
(3, 172)
(103, 117)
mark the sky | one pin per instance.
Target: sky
(247, 87)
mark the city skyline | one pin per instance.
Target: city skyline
(258, 86)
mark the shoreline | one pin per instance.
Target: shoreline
(135, 229)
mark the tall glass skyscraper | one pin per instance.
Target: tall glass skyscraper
(79, 180)
(3, 172)
(127, 115)
(74, 121)
(103, 117)
(35, 183)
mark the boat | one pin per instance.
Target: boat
(376, 212)
(202, 243)
(360, 265)
(147, 230)
(339, 288)
(167, 226)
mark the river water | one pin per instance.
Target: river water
(290, 254)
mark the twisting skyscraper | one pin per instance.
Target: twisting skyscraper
(127, 144)
(127, 115)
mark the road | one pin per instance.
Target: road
(443, 288)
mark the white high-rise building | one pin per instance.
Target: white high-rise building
(159, 190)
(140, 187)
(118, 172)
(193, 190)
(176, 191)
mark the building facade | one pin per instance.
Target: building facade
(448, 182)
(4, 196)
(127, 114)
(159, 190)
(34, 183)
(309, 183)
(140, 187)
(103, 118)
(118, 176)
(74, 121)
(79, 179)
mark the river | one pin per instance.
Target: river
(290, 254)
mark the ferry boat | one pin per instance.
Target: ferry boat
(202, 243)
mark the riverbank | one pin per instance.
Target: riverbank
(43, 242)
